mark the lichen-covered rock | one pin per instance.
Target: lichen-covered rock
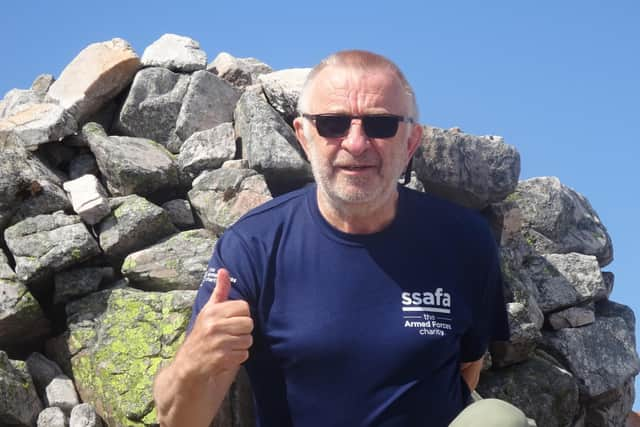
(269, 144)
(44, 244)
(153, 104)
(564, 280)
(282, 89)
(205, 150)
(37, 124)
(180, 214)
(177, 53)
(118, 340)
(220, 197)
(613, 330)
(132, 165)
(84, 415)
(541, 388)
(240, 72)
(209, 101)
(19, 402)
(473, 171)
(133, 224)
(96, 75)
(178, 263)
(557, 219)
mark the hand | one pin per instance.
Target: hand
(221, 335)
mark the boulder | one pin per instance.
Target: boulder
(89, 198)
(177, 53)
(473, 171)
(84, 415)
(83, 164)
(60, 392)
(52, 417)
(133, 224)
(557, 219)
(613, 408)
(572, 317)
(42, 197)
(207, 149)
(240, 72)
(37, 124)
(19, 402)
(269, 143)
(44, 244)
(78, 282)
(42, 371)
(564, 280)
(96, 75)
(209, 101)
(132, 165)
(15, 179)
(220, 197)
(17, 99)
(180, 214)
(613, 330)
(153, 104)
(540, 387)
(41, 84)
(177, 263)
(118, 340)
(6, 272)
(282, 89)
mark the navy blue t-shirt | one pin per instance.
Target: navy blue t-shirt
(362, 330)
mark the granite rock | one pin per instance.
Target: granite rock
(19, 402)
(207, 149)
(282, 89)
(240, 72)
(177, 53)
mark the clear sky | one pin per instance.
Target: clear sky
(559, 80)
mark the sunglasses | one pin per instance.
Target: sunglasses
(375, 125)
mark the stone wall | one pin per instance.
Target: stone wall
(117, 178)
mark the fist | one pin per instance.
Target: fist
(221, 335)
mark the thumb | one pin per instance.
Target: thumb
(223, 286)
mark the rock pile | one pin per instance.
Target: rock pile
(117, 178)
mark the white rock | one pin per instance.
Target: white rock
(61, 393)
(89, 198)
(177, 53)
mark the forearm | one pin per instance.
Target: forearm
(183, 402)
(471, 373)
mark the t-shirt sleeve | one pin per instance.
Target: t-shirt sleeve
(490, 319)
(230, 252)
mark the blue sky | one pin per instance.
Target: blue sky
(558, 80)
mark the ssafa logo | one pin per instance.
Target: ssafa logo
(211, 276)
(427, 312)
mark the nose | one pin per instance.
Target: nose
(356, 141)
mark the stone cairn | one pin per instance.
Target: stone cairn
(117, 178)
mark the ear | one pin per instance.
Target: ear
(298, 126)
(414, 140)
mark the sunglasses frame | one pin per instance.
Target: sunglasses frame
(363, 118)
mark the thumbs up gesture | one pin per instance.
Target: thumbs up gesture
(221, 335)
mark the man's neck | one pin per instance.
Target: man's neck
(358, 218)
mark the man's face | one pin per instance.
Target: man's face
(355, 169)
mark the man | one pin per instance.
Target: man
(353, 302)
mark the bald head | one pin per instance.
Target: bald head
(358, 60)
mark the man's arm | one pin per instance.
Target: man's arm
(470, 371)
(190, 390)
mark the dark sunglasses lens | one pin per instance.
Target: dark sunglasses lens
(333, 126)
(380, 126)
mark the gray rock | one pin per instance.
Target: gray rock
(17, 100)
(133, 224)
(83, 164)
(178, 263)
(609, 279)
(96, 75)
(473, 171)
(22, 322)
(6, 272)
(78, 282)
(42, 197)
(269, 144)
(55, 154)
(415, 183)
(541, 388)
(613, 330)
(240, 72)
(207, 149)
(209, 101)
(572, 317)
(557, 219)
(56, 349)
(525, 324)
(180, 213)
(19, 402)
(612, 408)
(132, 165)
(282, 89)
(89, 198)
(84, 415)
(44, 244)
(153, 104)
(42, 371)
(42, 83)
(15, 179)
(177, 53)
(37, 124)
(60, 392)
(52, 417)
(220, 197)
(564, 280)
(236, 164)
